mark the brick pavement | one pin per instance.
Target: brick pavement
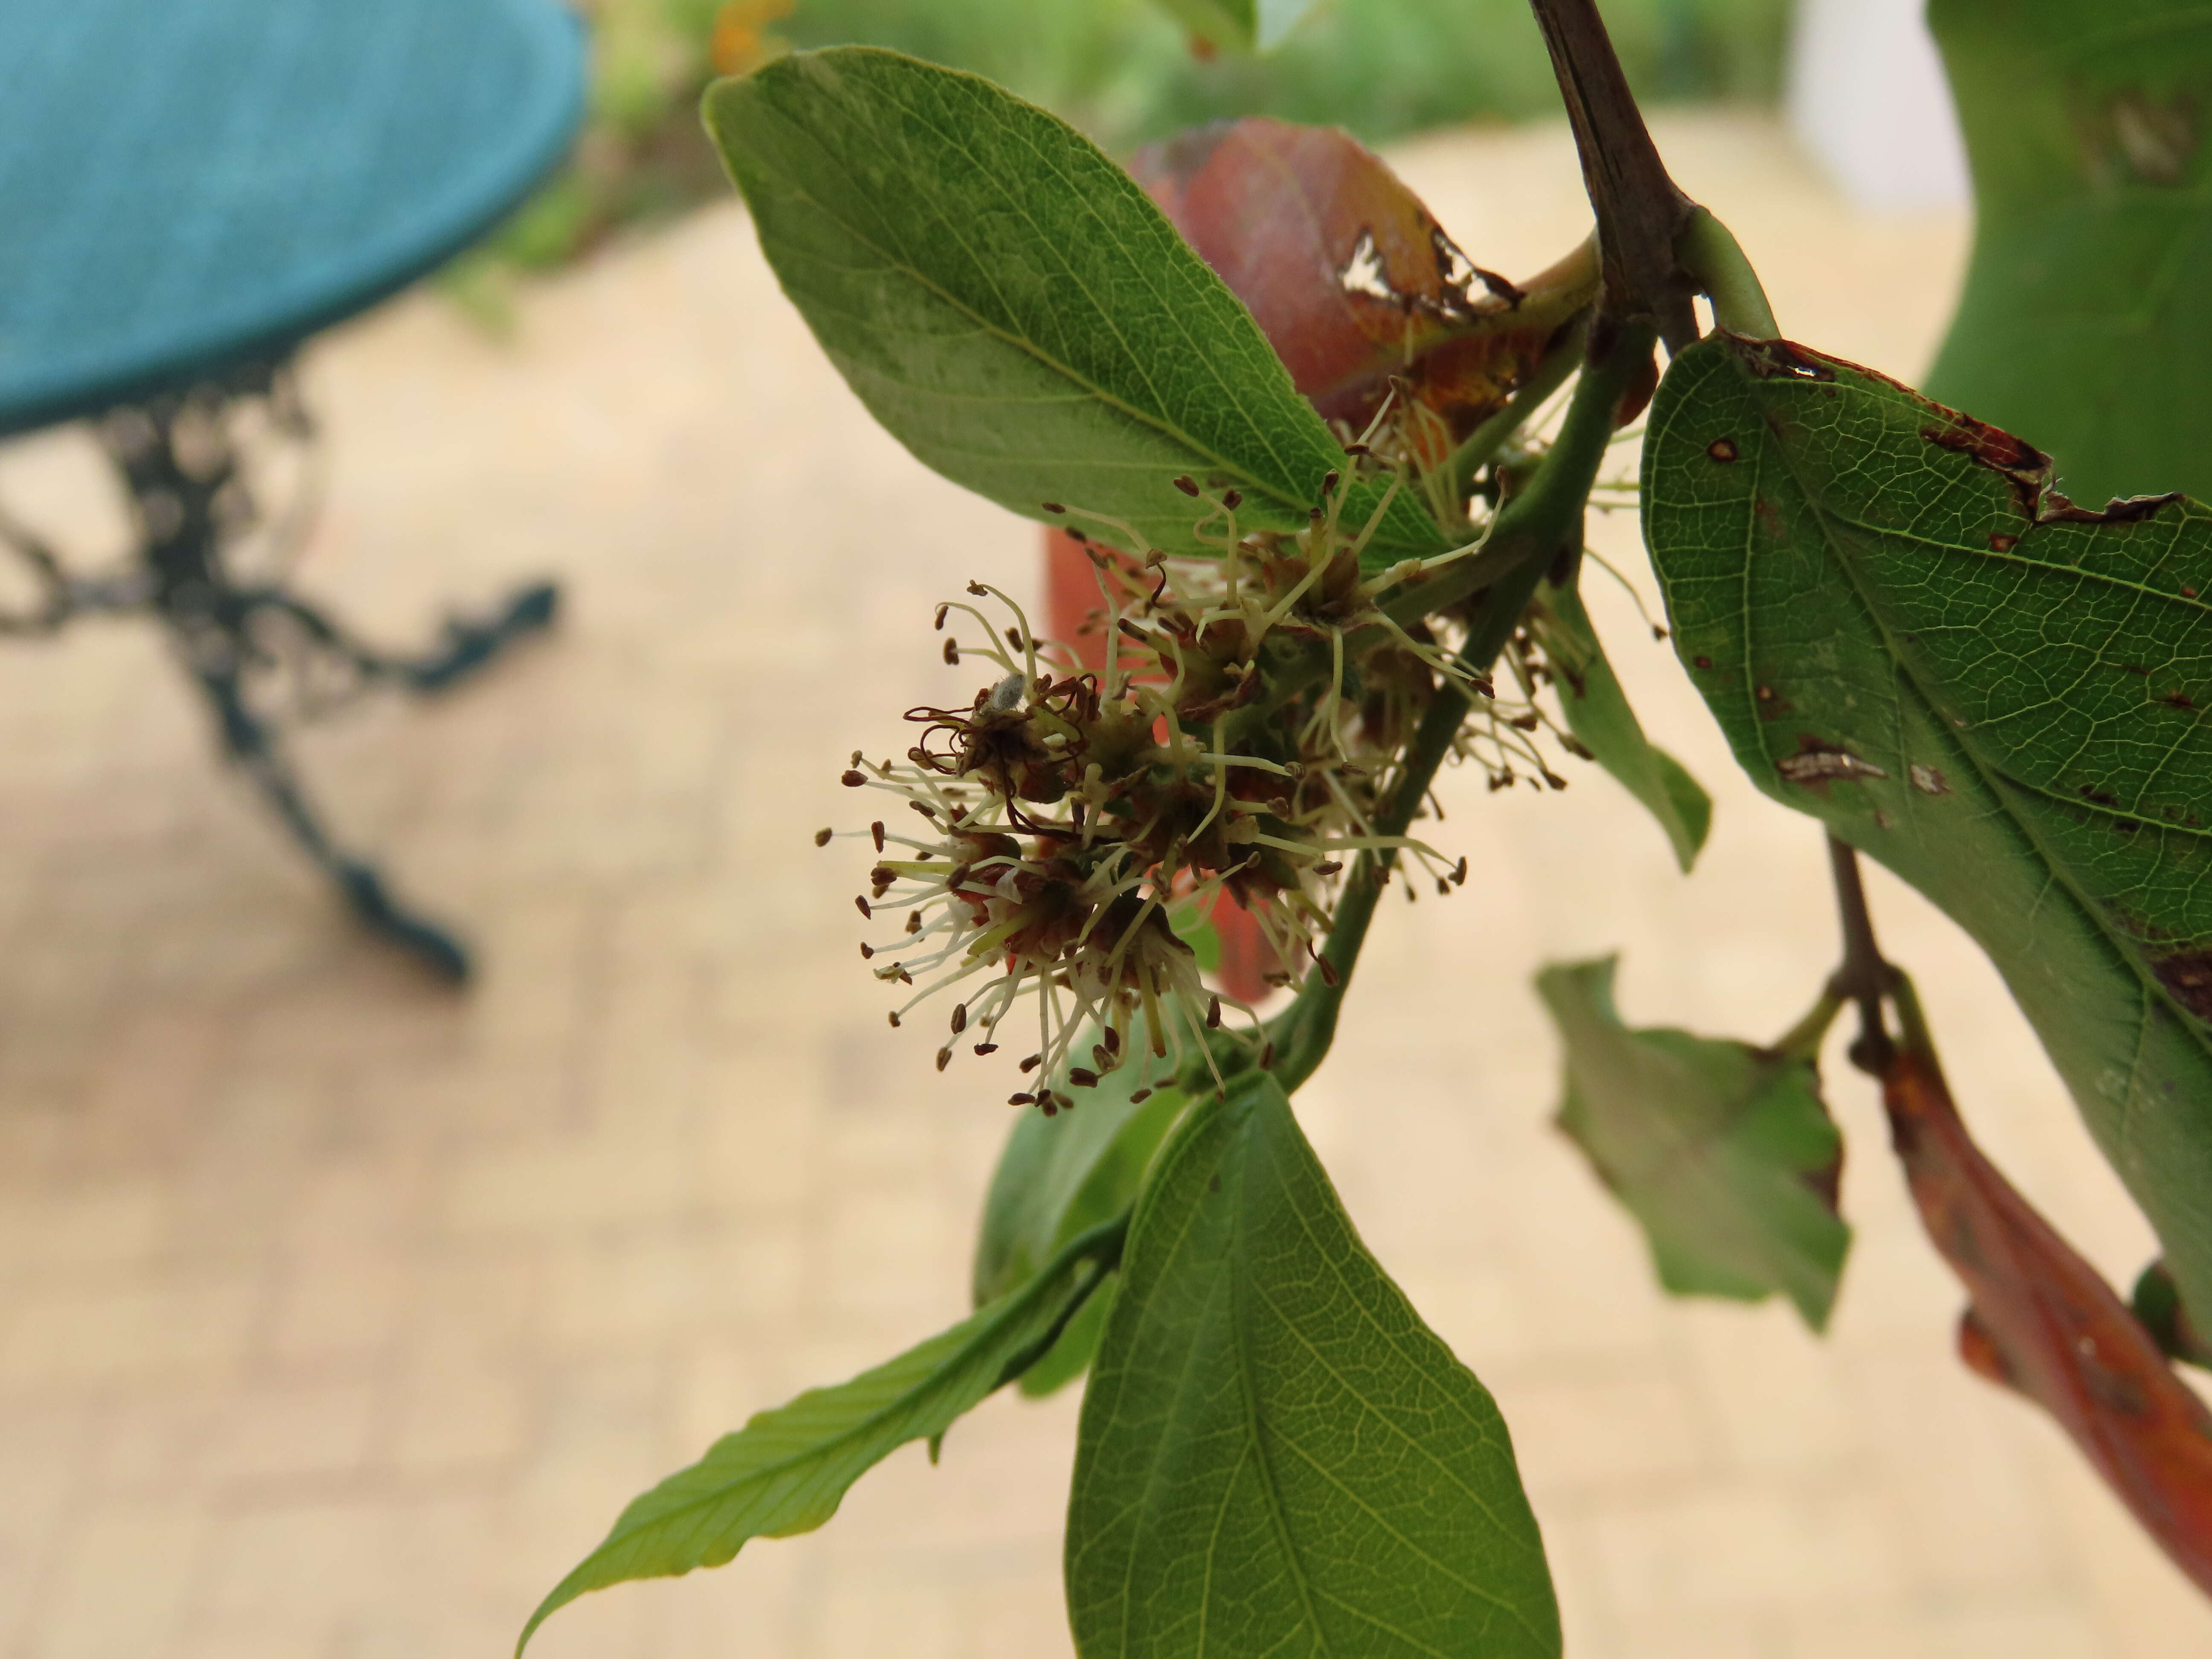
(341, 1314)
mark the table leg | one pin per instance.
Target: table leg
(252, 646)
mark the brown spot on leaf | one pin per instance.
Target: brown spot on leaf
(2178, 700)
(1702, 662)
(2003, 544)
(2022, 465)
(1722, 449)
(2102, 797)
(2133, 509)
(1928, 779)
(2187, 976)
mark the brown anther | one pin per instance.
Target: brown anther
(1358, 449)
(821, 837)
(1459, 872)
(925, 808)
(1054, 506)
(1232, 499)
(951, 653)
(914, 922)
(987, 1048)
(1213, 1014)
(867, 952)
(1021, 1100)
(945, 1057)
(1113, 1041)
(1268, 1055)
(1140, 1097)
(1100, 1058)
(1134, 632)
(1329, 483)
(1014, 638)
(1032, 1063)
(1082, 1077)
(960, 873)
(894, 1022)
(979, 590)
(943, 611)
(876, 829)
(1186, 486)
(959, 1018)
(854, 779)
(881, 877)
(1329, 867)
(863, 903)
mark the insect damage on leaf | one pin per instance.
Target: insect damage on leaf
(1353, 282)
(2042, 1322)
(1904, 586)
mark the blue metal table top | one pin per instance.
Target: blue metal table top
(188, 184)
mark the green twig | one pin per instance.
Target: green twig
(1541, 521)
(1713, 260)
(1486, 440)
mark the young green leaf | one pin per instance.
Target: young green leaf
(2082, 324)
(1723, 1154)
(1058, 1178)
(1276, 1455)
(1599, 716)
(787, 1471)
(1014, 309)
(1908, 633)
(1061, 1176)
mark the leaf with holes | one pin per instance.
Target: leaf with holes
(1907, 632)
(1724, 1154)
(1014, 309)
(787, 1471)
(1276, 1454)
(1599, 716)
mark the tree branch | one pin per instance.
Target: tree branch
(1866, 977)
(1640, 212)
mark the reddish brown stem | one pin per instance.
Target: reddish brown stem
(1640, 211)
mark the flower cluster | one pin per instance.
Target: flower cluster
(1219, 729)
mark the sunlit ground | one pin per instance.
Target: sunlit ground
(342, 1313)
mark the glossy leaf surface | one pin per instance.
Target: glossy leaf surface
(1012, 308)
(1906, 632)
(1725, 1155)
(2041, 1321)
(1276, 1454)
(1599, 716)
(788, 1469)
(2082, 326)
(1349, 276)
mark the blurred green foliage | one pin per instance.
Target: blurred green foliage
(1123, 71)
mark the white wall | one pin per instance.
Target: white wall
(1866, 97)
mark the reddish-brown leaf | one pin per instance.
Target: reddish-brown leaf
(2041, 1321)
(1349, 276)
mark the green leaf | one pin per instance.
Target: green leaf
(1276, 1454)
(1723, 1154)
(1058, 1178)
(1070, 1357)
(2082, 324)
(1061, 1176)
(788, 1469)
(1908, 635)
(1013, 308)
(1598, 714)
